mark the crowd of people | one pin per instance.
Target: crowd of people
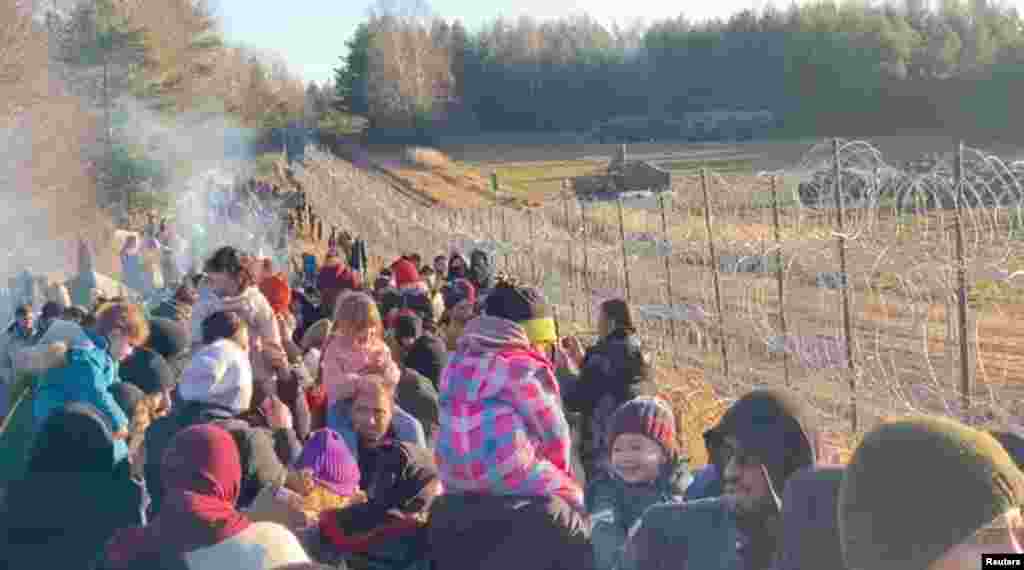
(435, 419)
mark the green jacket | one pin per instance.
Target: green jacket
(699, 535)
(615, 506)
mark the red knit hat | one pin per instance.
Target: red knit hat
(275, 288)
(648, 416)
(405, 273)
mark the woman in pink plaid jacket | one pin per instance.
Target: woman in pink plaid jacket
(503, 431)
(503, 450)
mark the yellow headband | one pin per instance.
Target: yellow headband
(540, 330)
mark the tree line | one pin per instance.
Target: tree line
(853, 68)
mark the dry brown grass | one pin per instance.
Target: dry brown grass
(697, 408)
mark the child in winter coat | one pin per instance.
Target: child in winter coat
(84, 370)
(357, 343)
(357, 334)
(330, 480)
(646, 469)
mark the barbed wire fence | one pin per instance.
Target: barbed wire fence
(870, 288)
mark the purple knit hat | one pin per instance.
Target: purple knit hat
(331, 462)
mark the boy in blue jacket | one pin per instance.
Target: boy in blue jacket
(85, 369)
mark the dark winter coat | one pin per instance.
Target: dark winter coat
(810, 530)
(72, 498)
(706, 484)
(614, 371)
(395, 476)
(428, 357)
(616, 505)
(290, 388)
(261, 465)
(697, 535)
(508, 532)
(417, 395)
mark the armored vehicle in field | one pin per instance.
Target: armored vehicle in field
(622, 177)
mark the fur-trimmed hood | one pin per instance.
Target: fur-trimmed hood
(51, 350)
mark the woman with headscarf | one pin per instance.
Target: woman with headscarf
(72, 498)
(199, 527)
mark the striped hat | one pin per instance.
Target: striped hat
(648, 416)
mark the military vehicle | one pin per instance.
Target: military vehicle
(622, 177)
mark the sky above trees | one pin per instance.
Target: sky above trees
(311, 38)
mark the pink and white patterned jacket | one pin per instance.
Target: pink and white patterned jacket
(503, 429)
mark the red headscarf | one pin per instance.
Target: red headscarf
(202, 474)
(275, 288)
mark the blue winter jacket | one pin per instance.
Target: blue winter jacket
(86, 376)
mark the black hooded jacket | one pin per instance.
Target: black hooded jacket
(614, 371)
(771, 424)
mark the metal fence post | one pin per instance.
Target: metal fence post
(961, 275)
(779, 277)
(625, 256)
(714, 270)
(846, 282)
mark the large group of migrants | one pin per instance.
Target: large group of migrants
(434, 418)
